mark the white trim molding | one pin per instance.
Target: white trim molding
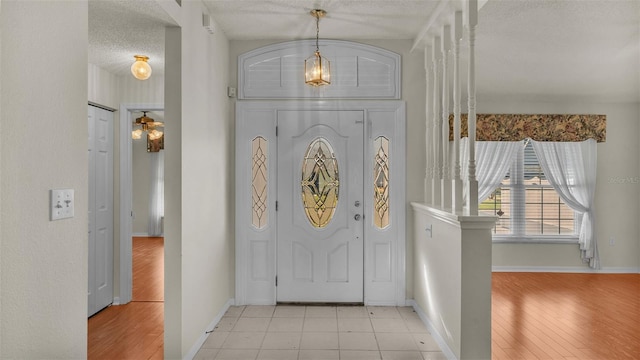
(433, 330)
(212, 325)
(567, 269)
(358, 71)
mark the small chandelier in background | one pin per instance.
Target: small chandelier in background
(317, 70)
(140, 68)
(155, 138)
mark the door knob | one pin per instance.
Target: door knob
(357, 217)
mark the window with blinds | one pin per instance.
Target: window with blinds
(527, 206)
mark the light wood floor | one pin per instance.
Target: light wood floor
(534, 316)
(565, 316)
(135, 330)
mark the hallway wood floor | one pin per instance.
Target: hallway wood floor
(135, 330)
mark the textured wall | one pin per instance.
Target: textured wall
(44, 146)
(207, 194)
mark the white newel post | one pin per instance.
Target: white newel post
(472, 198)
(456, 200)
(437, 154)
(428, 173)
(446, 170)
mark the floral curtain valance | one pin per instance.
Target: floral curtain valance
(516, 127)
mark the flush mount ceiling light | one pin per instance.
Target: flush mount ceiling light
(140, 68)
(317, 70)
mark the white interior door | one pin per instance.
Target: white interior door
(100, 261)
(320, 202)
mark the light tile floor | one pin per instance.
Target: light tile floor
(287, 332)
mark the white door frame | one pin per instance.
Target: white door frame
(126, 196)
(384, 263)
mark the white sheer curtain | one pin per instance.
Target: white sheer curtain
(156, 193)
(571, 168)
(493, 159)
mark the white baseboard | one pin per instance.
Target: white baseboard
(383, 303)
(567, 269)
(146, 235)
(194, 349)
(434, 333)
(116, 300)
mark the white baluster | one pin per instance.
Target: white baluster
(428, 176)
(456, 200)
(472, 199)
(446, 170)
(437, 154)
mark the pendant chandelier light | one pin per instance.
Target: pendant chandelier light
(148, 125)
(317, 70)
(141, 69)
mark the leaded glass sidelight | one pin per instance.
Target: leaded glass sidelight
(381, 182)
(259, 180)
(320, 182)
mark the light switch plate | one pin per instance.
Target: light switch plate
(61, 205)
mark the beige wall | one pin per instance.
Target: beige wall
(207, 269)
(173, 196)
(141, 178)
(43, 146)
(103, 87)
(616, 214)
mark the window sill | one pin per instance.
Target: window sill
(568, 239)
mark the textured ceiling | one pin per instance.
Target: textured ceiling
(543, 49)
(548, 49)
(346, 19)
(119, 29)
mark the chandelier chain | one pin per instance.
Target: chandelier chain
(317, 31)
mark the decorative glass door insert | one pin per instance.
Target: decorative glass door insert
(259, 151)
(381, 182)
(320, 182)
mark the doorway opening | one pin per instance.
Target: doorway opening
(127, 214)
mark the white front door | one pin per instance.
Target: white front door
(320, 202)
